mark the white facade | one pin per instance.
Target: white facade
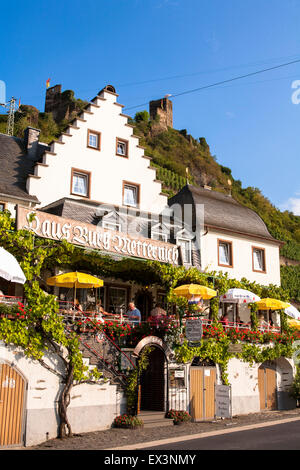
(93, 407)
(108, 171)
(242, 257)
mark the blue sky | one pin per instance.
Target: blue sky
(149, 48)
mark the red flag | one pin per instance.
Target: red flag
(48, 83)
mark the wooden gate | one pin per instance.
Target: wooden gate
(267, 386)
(12, 400)
(202, 392)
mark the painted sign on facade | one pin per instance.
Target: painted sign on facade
(91, 236)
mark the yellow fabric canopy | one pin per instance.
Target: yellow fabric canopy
(294, 323)
(75, 279)
(188, 290)
(271, 304)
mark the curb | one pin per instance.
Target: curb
(144, 445)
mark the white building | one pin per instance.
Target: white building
(231, 238)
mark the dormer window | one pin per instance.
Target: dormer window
(111, 226)
(131, 194)
(80, 182)
(186, 251)
(121, 147)
(93, 139)
(160, 236)
(159, 232)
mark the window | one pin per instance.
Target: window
(93, 139)
(131, 194)
(117, 300)
(225, 253)
(2, 206)
(258, 259)
(80, 183)
(122, 147)
(185, 246)
(111, 226)
(160, 236)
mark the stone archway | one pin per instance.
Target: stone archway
(153, 389)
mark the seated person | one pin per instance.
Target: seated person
(261, 321)
(133, 314)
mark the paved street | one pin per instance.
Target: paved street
(278, 437)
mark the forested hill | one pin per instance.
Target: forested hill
(173, 151)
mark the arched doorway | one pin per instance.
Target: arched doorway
(267, 386)
(144, 302)
(202, 389)
(12, 403)
(152, 382)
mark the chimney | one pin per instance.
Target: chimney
(31, 141)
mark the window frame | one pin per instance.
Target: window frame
(230, 244)
(75, 171)
(161, 234)
(123, 141)
(190, 248)
(91, 131)
(263, 250)
(4, 204)
(138, 193)
(118, 226)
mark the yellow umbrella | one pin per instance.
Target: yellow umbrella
(189, 290)
(294, 323)
(271, 304)
(76, 280)
(79, 280)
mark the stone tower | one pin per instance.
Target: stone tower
(162, 109)
(62, 105)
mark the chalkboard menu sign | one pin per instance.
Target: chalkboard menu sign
(223, 401)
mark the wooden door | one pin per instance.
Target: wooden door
(267, 387)
(12, 392)
(202, 392)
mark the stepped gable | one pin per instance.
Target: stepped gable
(15, 168)
(223, 212)
(70, 150)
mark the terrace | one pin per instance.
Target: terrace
(123, 332)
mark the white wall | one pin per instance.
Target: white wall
(52, 182)
(242, 257)
(93, 407)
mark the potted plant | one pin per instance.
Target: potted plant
(181, 417)
(127, 421)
